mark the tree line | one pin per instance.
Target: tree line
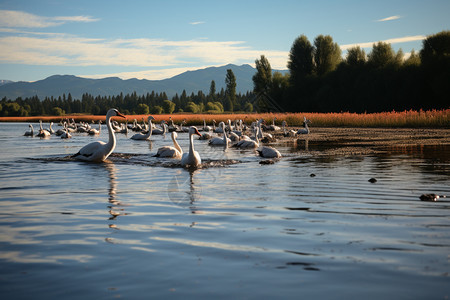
(319, 80)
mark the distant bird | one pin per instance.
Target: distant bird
(304, 130)
(223, 141)
(29, 132)
(171, 152)
(268, 152)
(42, 132)
(273, 127)
(191, 158)
(288, 133)
(66, 134)
(141, 136)
(98, 151)
(94, 131)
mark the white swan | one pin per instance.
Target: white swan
(306, 129)
(248, 143)
(217, 141)
(30, 132)
(268, 152)
(98, 151)
(171, 152)
(273, 127)
(94, 131)
(192, 158)
(287, 133)
(42, 132)
(160, 131)
(66, 134)
(140, 136)
(205, 127)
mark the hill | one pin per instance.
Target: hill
(190, 81)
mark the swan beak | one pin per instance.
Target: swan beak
(120, 115)
(197, 133)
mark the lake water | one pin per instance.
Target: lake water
(141, 227)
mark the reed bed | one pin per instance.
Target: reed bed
(405, 119)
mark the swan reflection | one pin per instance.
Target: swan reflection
(184, 190)
(114, 211)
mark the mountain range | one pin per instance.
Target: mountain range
(190, 81)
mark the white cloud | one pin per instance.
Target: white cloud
(389, 18)
(20, 19)
(405, 39)
(197, 23)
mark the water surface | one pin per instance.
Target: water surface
(141, 227)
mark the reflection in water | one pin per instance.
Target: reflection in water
(112, 193)
(184, 190)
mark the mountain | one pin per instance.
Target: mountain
(2, 82)
(190, 81)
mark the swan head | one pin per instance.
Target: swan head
(150, 118)
(114, 112)
(174, 135)
(194, 130)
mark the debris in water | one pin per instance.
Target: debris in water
(266, 162)
(430, 197)
(372, 180)
(312, 175)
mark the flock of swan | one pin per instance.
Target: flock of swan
(232, 136)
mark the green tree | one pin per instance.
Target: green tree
(212, 90)
(192, 107)
(58, 111)
(157, 110)
(327, 55)
(230, 92)
(436, 49)
(248, 107)
(356, 56)
(142, 109)
(413, 59)
(300, 62)
(262, 80)
(382, 55)
(168, 106)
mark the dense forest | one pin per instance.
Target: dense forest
(319, 80)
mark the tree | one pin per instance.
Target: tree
(157, 110)
(413, 59)
(356, 57)
(327, 55)
(168, 106)
(262, 80)
(436, 49)
(230, 92)
(382, 55)
(212, 90)
(300, 61)
(142, 109)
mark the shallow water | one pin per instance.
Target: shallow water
(141, 227)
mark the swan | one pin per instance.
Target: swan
(30, 132)
(291, 133)
(268, 152)
(248, 143)
(205, 127)
(66, 134)
(171, 152)
(217, 141)
(94, 131)
(217, 129)
(192, 158)
(50, 129)
(42, 132)
(140, 136)
(98, 151)
(160, 131)
(273, 127)
(306, 129)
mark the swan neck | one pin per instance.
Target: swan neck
(112, 138)
(175, 143)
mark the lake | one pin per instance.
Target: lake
(139, 227)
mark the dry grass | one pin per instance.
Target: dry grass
(406, 119)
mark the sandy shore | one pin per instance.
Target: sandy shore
(360, 141)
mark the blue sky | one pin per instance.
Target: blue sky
(160, 39)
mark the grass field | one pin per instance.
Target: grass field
(406, 119)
